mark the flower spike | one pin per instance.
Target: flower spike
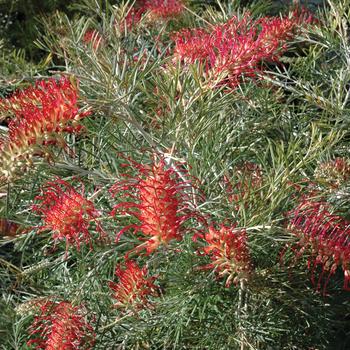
(229, 253)
(61, 326)
(323, 235)
(133, 287)
(236, 49)
(67, 213)
(41, 116)
(157, 199)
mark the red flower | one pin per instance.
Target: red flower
(163, 8)
(133, 17)
(235, 49)
(324, 236)
(160, 207)
(157, 9)
(133, 287)
(43, 111)
(94, 38)
(42, 114)
(228, 250)
(61, 326)
(67, 213)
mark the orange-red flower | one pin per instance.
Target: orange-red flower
(133, 287)
(61, 326)
(324, 236)
(229, 253)
(157, 200)
(67, 213)
(41, 115)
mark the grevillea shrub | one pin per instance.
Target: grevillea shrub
(177, 178)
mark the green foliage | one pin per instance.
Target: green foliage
(287, 122)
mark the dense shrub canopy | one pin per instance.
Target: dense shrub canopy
(174, 174)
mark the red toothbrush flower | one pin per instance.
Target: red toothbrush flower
(228, 250)
(324, 236)
(157, 201)
(67, 213)
(133, 287)
(236, 49)
(61, 326)
(94, 38)
(42, 114)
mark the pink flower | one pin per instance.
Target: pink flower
(67, 213)
(163, 8)
(61, 326)
(157, 9)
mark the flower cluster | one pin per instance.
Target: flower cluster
(333, 173)
(133, 287)
(61, 326)
(158, 204)
(229, 253)
(236, 49)
(66, 213)
(324, 236)
(42, 114)
(156, 199)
